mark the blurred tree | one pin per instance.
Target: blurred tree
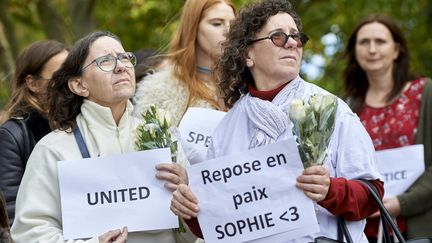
(150, 24)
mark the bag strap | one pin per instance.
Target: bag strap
(343, 231)
(81, 144)
(28, 141)
(385, 215)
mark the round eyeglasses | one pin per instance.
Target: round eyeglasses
(108, 62)
(279, 38)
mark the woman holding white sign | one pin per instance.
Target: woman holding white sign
(90, 110)
(394, 106)
(259, 74)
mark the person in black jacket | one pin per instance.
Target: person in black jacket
(4, 223)
(24, 122)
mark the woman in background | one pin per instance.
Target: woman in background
(24, 120)
(396, 109)
(193, 52)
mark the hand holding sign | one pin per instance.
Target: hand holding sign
(114, 236)
(174, 174)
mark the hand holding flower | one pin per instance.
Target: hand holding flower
(315, 182)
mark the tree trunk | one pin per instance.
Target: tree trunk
(52, 22)
(8, 48)
(8, 30)
(81, 12)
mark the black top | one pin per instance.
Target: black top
(17, 139)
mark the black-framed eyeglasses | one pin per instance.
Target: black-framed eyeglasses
(108, 62)
(279, 38)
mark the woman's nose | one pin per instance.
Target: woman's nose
(226, 29)
(372, 47)
(290, 42)
(120, 67)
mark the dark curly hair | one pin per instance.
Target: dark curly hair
(232, 71)
(355, 80)
(64, 106)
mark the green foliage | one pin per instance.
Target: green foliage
(139, 23)
(156, 132)
(4, 96)
(151, 24)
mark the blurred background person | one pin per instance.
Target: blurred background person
(395, 108)
(190, 82)
(24, 121)
(149, 61)
(259, 74)
(89, 93)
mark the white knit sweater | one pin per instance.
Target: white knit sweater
(166, 92)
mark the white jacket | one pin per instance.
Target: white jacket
(352, 155)
(38, 212)
(166, 92)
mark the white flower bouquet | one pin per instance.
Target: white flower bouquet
(156, 132)
(314, 122)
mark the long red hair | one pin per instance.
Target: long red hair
(183, 49)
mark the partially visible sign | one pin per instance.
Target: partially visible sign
(196, 129)
(400, 168)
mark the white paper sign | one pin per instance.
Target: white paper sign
(250, 195)
(106, 193)
(400, 168)
(196, 129)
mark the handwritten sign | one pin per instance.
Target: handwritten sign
(250, 195)
(106, 193)
(400, 168)
(196, 129)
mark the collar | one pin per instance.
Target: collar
(265, 95)
(98, 115)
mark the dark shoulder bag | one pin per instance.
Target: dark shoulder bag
(386, 220)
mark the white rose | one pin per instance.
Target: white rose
(163, 118)
(297, 111)
(151, 129)
(315, 101)
(328, 100)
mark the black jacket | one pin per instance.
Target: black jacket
(17, 139)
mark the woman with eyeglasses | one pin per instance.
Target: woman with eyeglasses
(24, 121)
(394, 105)
(259, 74)
(89, 108)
